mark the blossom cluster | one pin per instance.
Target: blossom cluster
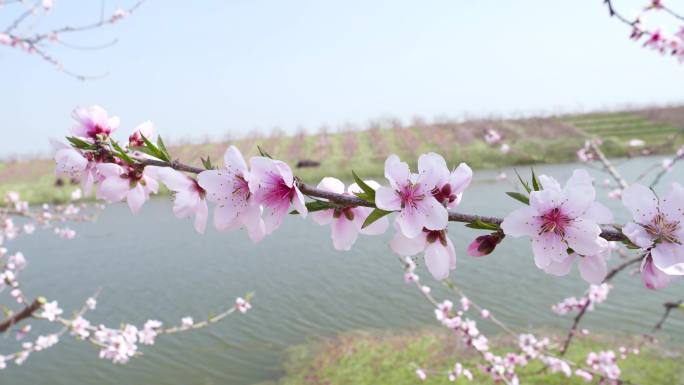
(116, 345)
(258, 194)
(595, 295)
(564, 223)
(655, 38)
(38, 43)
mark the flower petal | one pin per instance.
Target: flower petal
(396, 171)
(344, 233)
(437, 260)
(583, 236)
(386, 198)
(593, 268)
(135, 198)
(331, 184)
(641, 202)
(407, 247)
(521, 222)
(561, 268)
(672, 205)
(548, 247)
(201, 215)
(669, 257)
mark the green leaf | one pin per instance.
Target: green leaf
(478, 224)
(313, 206)
(525, 184)
(263, 153)
(374, 216)
(142, 149)
(519, 197)
(368, 193)
(535, 182)
(162, 147)
(120, 152)
(155, 152)
(80, 143)
(207, 163)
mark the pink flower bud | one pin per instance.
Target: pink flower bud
(484, 244)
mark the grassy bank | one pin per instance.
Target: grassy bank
(532, 140)
(391, 359)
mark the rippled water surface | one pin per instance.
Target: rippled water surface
(154, 266)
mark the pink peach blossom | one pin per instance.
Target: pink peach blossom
(188, 197)
(93, 122)
(274, 187)
(229, 189)
(657, 227)
(131, 183)
(346, 222)
(440, 256)
(557, 219)
(449, 185)
(145, 129)
(411, 195)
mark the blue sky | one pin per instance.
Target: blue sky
(212, 68)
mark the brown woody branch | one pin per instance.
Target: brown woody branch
(611, 274)
(669, 306)
(26, 312)
(607, 233)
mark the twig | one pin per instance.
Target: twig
(608, 165)
(26, 312)
(612, 273)
(607, 233)
(668, 308)
(664, 171)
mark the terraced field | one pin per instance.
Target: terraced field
(618, 129)
(531, 140)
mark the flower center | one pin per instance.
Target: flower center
(444, 194)
(410, 195)
(554, 221)
(436, 235)
(279, 191)
(95, 130)
(344, 211)
(663, 230)
(241, 187)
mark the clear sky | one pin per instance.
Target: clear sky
(218, 67)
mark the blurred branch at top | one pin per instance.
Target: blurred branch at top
(23, 32)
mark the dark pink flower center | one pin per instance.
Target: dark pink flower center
(136, 140)
(554, 221)
(198, 189)
(95, 129)
(279, 191)
(444, 195)
(410, 195)
(344, 211)
(663, 230)
(436, 235)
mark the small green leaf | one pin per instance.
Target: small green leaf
(154, 150)
(142, 149)
(207, 163)
(162, 147)
(519, 197)
(535, 182)
(368, 192)
(317, 206)
(374, 216)
(263, 153)
(478, 224)
(522, 181)
(120, 152)
(80, 143)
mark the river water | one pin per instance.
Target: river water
(155, 266)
